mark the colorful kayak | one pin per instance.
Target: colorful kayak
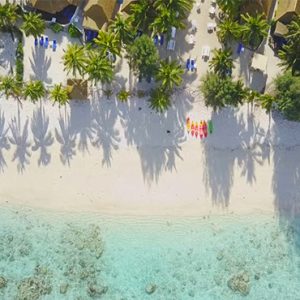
(201, 130)
(188, 125)
(196, 130)
(210, 126)
(204, 129)
(192, 129)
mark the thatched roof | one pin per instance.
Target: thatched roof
(280, 30)
(98, 12)
(78, 89)
(52, 6)
(255, 7)
(126, 5)
(286, 9)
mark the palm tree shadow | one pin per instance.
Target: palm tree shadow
(105, 136)
(4, 145)
(67, 139)
(19, 138)
(42, 138)
(40, 65)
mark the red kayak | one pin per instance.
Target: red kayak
(204, 128)
(192, 129)
(196, 130)
(201, 129)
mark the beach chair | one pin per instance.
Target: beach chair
(41, 41)
(173, 32)
(171, 44)
(46, 42)
(212, 11)
(161, 40)
(36, 42)
(155, 39)
(194, 25)
(205, 51)
(193, 65)
(188, 64)
(211, 26)
(198, 5)
(54, 45)
(240, 48)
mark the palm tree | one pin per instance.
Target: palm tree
(121, 27)
(108, 42)
(290, 54)
(10, 87)
(254, 30)
(251, 96)
(35, 90)
(228, 30)
(8, 16)
(267, 102)
(99, 68)
(222, 62)
(169, 74)
(33, 24)
(159, 100)
(74, 59)
(180, 7)
(59, 94)
(230, 7)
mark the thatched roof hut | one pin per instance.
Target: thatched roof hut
(287, 10)
(52, 6)
(78, 89)
(97, 13)
(255, 7)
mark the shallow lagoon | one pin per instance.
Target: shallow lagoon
(88, 256)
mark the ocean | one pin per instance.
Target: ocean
(50, 255)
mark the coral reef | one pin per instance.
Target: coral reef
(3, 282)
(240, 283)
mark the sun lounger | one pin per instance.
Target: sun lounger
(240, 48)
(211, 26)
(198, 6)
(193, 65)
(171, 44)
(41, 41)
(36, 42)
(161, 40)
(212, 11)
(54, 45)
(194, 25)
(191, 39)
(155, 39)
(46, 42)
(173, 32)
(188, 64)
(205, 51)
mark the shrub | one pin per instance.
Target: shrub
(108, 93)
(74, 31)
(123, 95)
(56, 27)
(19, 62)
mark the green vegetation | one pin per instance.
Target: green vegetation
(19, 63)
(122, 30)
(74, 32)
(10, 87)
(159, 100)
(8, 16)
(59, 94)
(56, 27)
(123, 95)
(290, 54)
(231, 7)
(287, 94)
(219, 92)
(108, 42)
(33, 24)
(228, 31)
(222, 62)
(74, 59)
(143, 57)
(34, 90)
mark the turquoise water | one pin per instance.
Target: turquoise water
(87, 256)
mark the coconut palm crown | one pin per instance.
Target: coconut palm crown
(34, 90)
(74, 59)
(222, 62)
(33, 24)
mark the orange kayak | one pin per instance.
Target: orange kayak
(188, 125)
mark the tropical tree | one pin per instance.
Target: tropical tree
(228, 30)
(123, 95)
(159, 100)
(34, 90)
(222, 62)
(169, 74)
(267, 102)
(99, 68)
(230, 7)
(10, 87)
(8, 16)
(180, 7)
(219, 92)
(142, 14)
(74, 59)
(122, 29)
(253, 30)
(290, 54)
(108, 42)
(33, 24)
(143, 57)
(251, 96)
(287, 94)
(59, 94)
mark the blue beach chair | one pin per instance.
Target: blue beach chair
(240, 49)
(46, 42)
(192, 65)
(155, 40)
(161, 40)
(54, 45)
(41, 41)
(36, 42)
(188, 64)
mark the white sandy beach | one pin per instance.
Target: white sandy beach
(105, 156)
